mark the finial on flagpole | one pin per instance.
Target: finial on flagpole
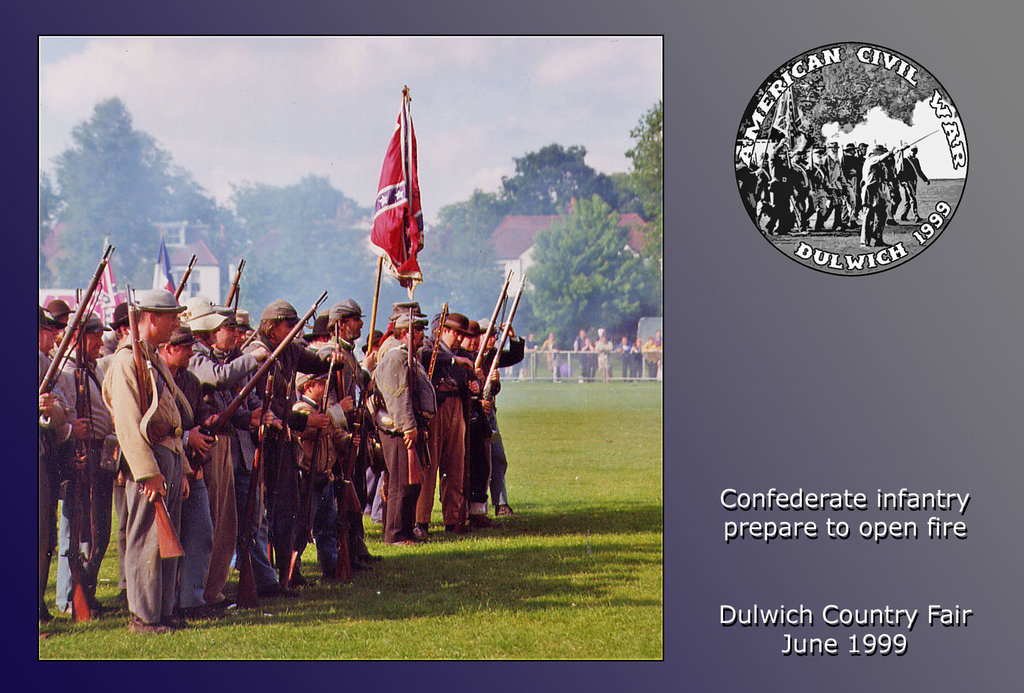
(405, 92)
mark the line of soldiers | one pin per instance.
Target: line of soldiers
(330, 434)
(844, 191)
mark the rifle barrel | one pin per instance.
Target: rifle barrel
(184, 277)
(437, 339)
(223, 417)
(501, 342)
(234, 284)
(490, 325)
(80, 312)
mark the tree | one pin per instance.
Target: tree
(49, 208)
(585, 276)
(647, 176)
(301, 240)
(458, 260)
(115, 181)
(547, 179)
(844, 92)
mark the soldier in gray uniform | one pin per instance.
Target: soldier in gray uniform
(908, 170)
(95, 434)
(403, 407)
(151, 443)
(55, 415)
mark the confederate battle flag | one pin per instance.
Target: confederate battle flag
(397, 216)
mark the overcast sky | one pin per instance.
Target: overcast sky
(273, 110)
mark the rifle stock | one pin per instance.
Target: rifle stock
(170, 547)
(79, 499)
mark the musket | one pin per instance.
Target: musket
(343, 561)
(415, 465)
(234, 285)
(918, 140)
(184, 277)
(306, 530)
(80, 312)
(437, 339)
(247, 597)
(490, 325)
(167, 538)
(225, 416)
(77, 499)
(501, 344)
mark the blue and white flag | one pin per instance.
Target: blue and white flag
(163, 264)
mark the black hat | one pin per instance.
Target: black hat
(93, 324)
(59, 310)
(377, 336)
(120, 316)
(182, 335)
(47, 320)
(457, 322)
(319, 328)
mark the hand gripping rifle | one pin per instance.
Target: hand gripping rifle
(80, 312)
(247, 598)
(170, 547)
(81, 488)
(184, 277)
(437, 340)
(233, 293)
(223, 417)
(490, 325)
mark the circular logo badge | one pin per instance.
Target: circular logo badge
(851, 158)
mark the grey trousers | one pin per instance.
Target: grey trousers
(150, 579)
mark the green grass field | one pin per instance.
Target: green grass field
(576, 573)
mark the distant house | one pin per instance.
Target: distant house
(513, 239)
(183, 241)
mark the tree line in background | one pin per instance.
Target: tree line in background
(115, 182)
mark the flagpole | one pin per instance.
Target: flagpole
(407, 215)
(373, 313)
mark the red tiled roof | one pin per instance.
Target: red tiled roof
(514, 235)
(180, 255)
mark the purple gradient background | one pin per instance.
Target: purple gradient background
(778, 376)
